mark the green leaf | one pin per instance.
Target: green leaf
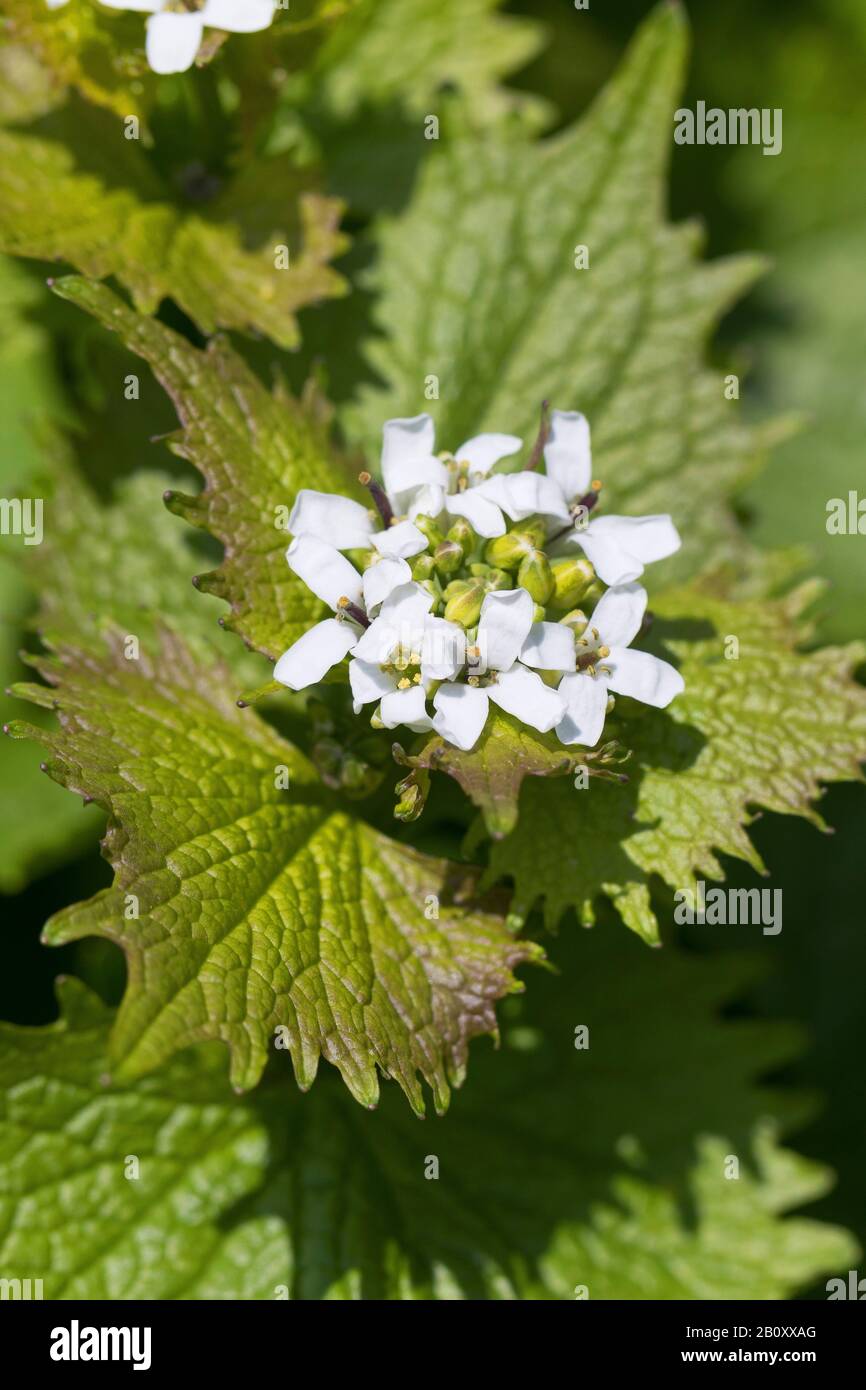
(403, 51)
(40, 828)
(254, 449)
(478, 288)
(27, 91)
(764, 727)
(83, 45)
(492, 773)
(54, 212)
(258, 906)
(607, 1167)
(78, 584)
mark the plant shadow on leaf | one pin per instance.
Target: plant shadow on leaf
(578, 848)
(556, 1166)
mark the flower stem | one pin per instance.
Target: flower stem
(541, 437)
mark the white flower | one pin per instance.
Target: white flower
(488, 647)
(331, 578)
(417, 481)
(403, 651)
(343, 524)
(608, 664)
(175, 27)
(618, 546)
(508, 643)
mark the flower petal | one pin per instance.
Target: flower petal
(644, 677)
(402, 540)
(324, 570)
(461, 713)
(409, 604)
(585, 699)
(620, 546)
(382, 578)
(407, 707)
(340, 521)
(428, 500)
(481, 513)
(504, 627)
(567, 453)
(369, 682)
(313, 655)
(173, 41)
(647, 537)
(443, 652)
(549, 647)
(525, 494)
(238, 16)
(619, 614)
(483, 450)
(524, 694)
(407, 455)
(400, 623)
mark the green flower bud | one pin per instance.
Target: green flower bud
(427, 526)
(507, 552)
(422, 566)
(593, 593)
(539, 613)
(463, 535)
(448, 557)
(412, 795)
(431, 586)
(536, 577)
(534, 529)
(498, 579)
(457, 587)
(576, 620)
(465, 608)
(572, 576)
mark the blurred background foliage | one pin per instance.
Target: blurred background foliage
(798, 339)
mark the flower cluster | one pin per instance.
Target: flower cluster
(175, 28)
(461, 585)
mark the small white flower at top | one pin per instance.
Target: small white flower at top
(175, 27)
